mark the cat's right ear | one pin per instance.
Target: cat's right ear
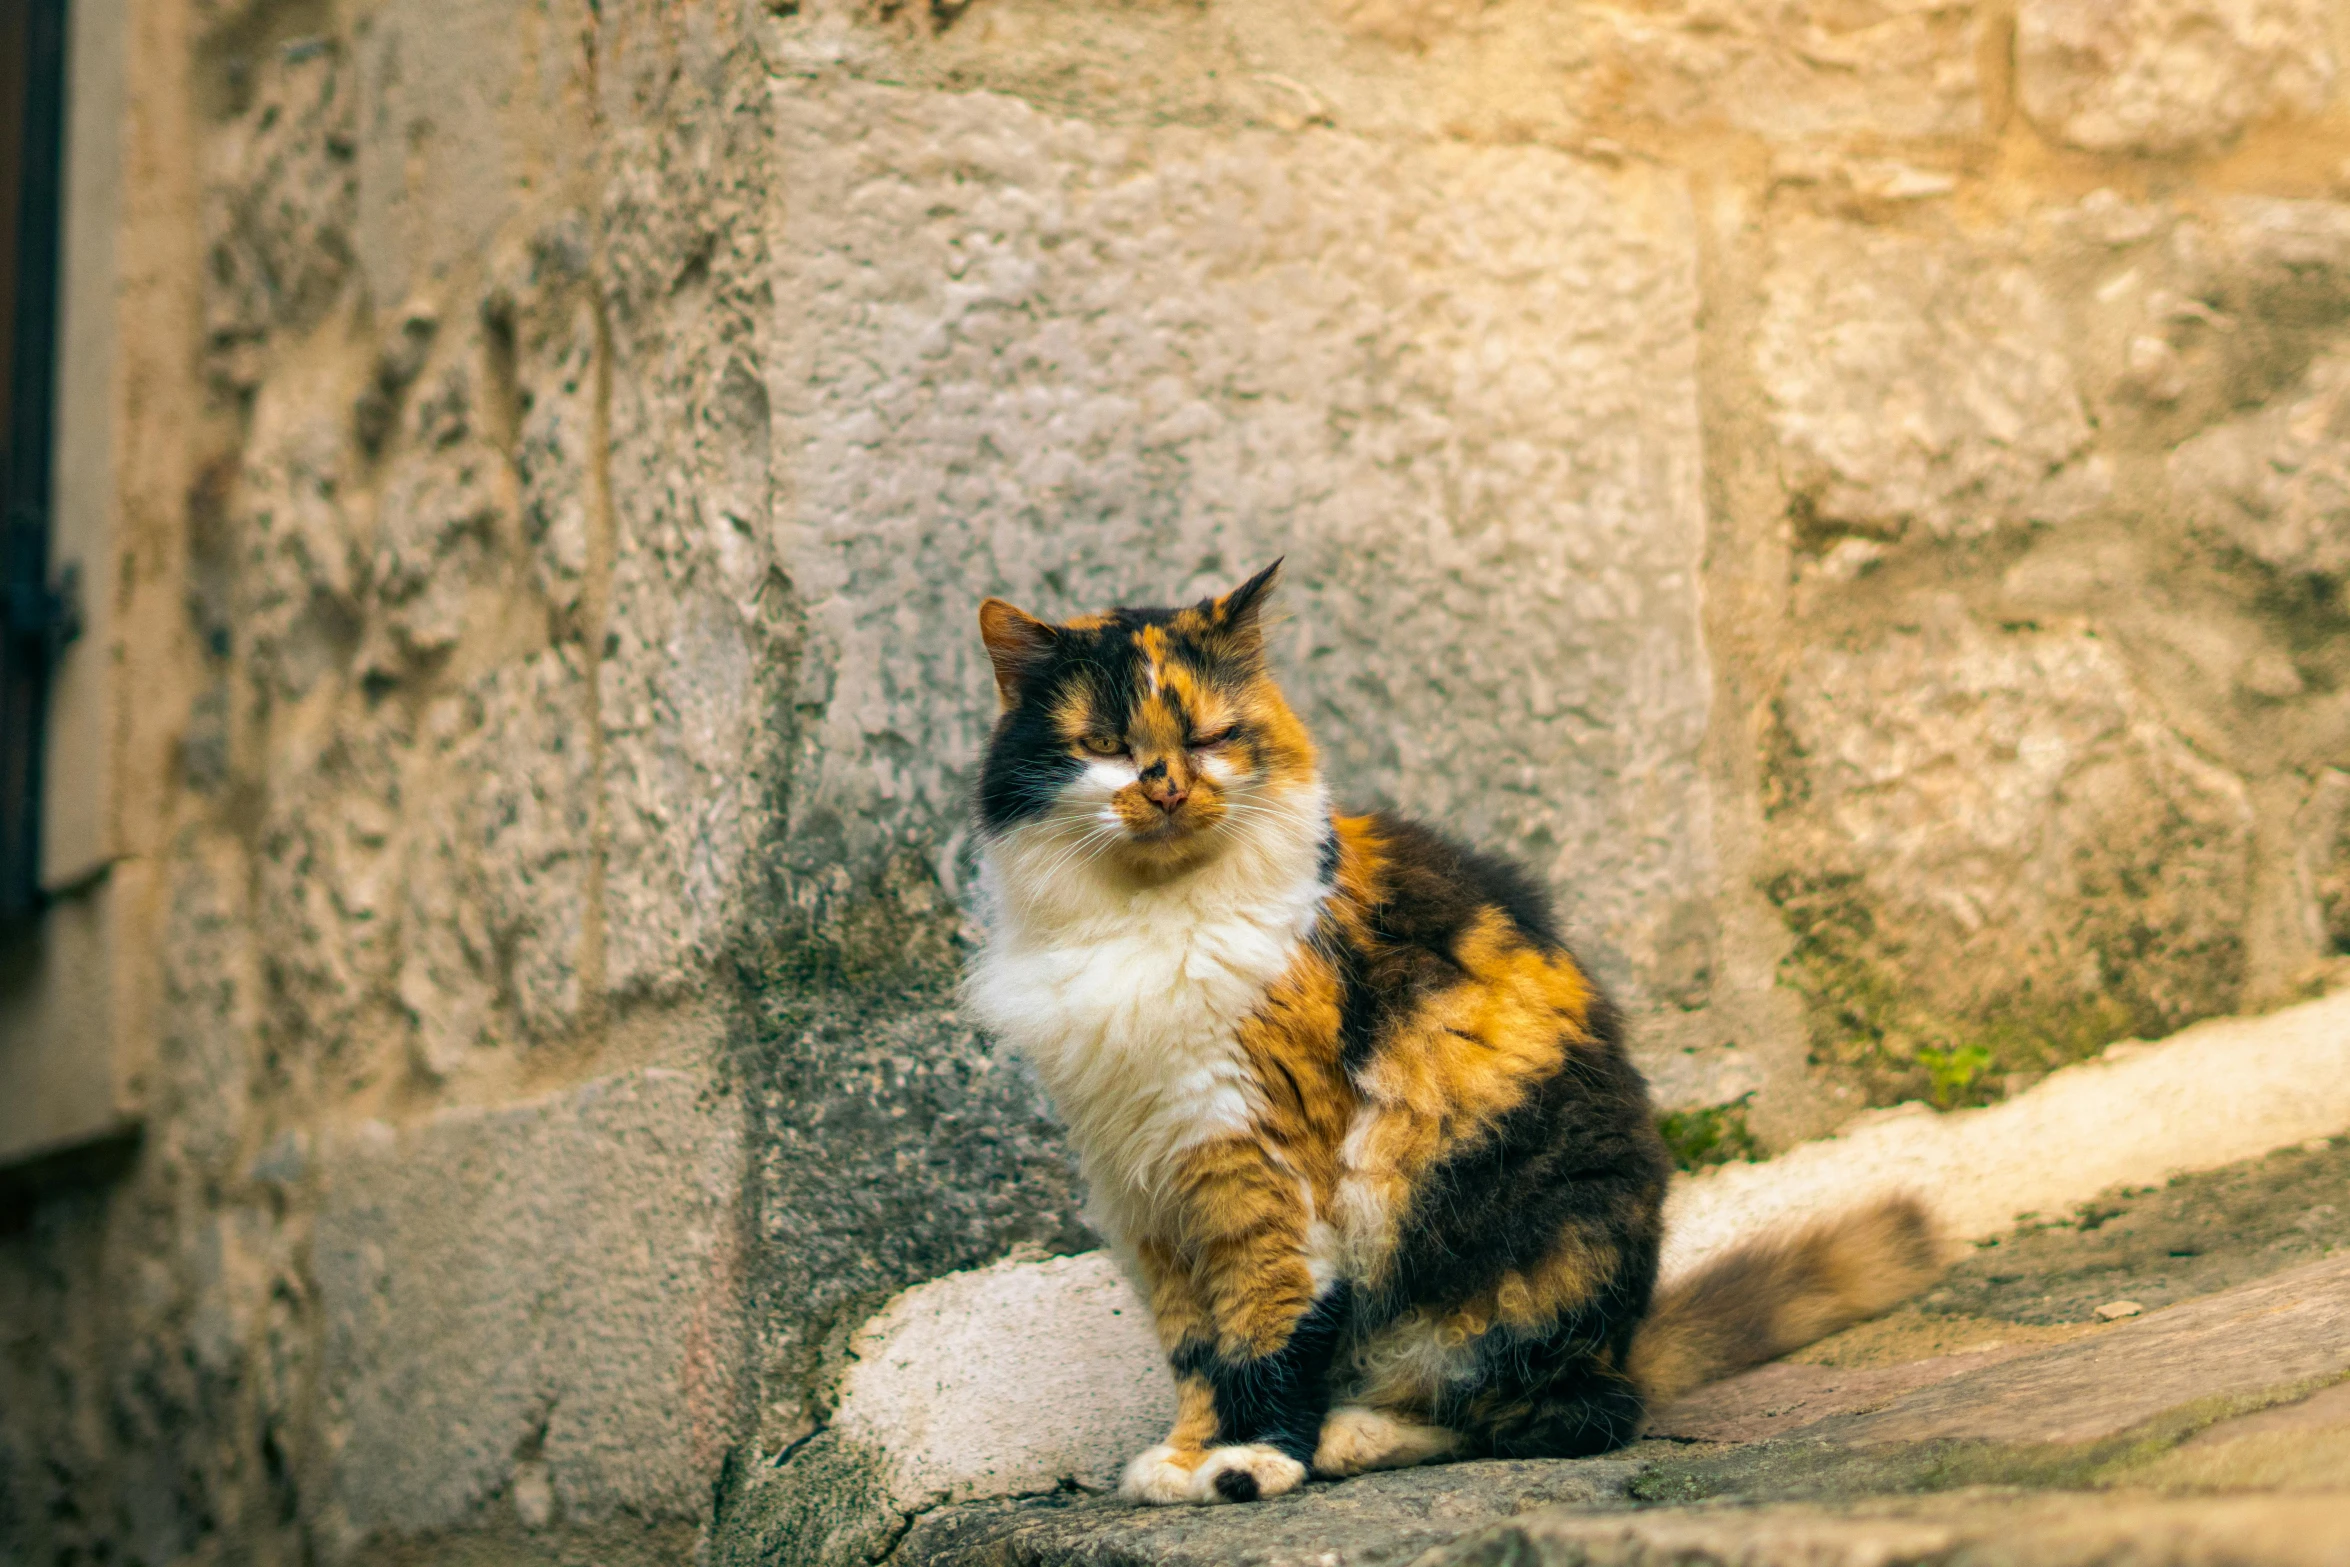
(1016, 643)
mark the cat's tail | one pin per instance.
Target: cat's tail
(1781, 1292)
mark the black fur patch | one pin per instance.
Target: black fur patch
(1579, 1151)
(1279, 1398)
(1436, 886)
(1546, 1399)
(1027, 768)
(1431, 891)
(1236, 1485)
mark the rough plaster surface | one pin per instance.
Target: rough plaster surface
(552, 1284)
(1454, 386)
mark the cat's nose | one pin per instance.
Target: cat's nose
(1170, 798)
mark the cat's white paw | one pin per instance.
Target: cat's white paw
(1160, 1476)
(1246, 1472)
(1356, 1439)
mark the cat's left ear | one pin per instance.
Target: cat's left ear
(1241, 609)
(1016, 643)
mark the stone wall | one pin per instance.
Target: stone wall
(1853, 494)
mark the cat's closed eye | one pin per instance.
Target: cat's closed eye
(1212, 739)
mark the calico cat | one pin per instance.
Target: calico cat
(1359, 1126)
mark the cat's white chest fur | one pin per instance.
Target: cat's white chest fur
(1129, 999)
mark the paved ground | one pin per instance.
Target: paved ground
(2000, 1420)
(2198, 1234)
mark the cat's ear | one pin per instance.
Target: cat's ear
(1241, 609)
(1016, 643)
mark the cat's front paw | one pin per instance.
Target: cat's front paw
(1245, 1472)
(1161, 1476)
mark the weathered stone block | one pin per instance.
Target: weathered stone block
(325, 913)
(2091, 1410)
(1793, 68)
(680, 698)
(2225, 1090)
(2274, 483)
(437, 516)
(2164, 76)
(300, 552)
(2321, 833)
(1919, 378)
(554, 1282)
(1453, 385)
(437, 154)
(282, 196)
(1410, 24)
(696, 686)
(201, 1094)
(1018, 1379)
(1405, 1516)
(1995, 841)
(2294, 1328)
(2040, 1531)
(496, 889)
(554, 330)
(894, 1145)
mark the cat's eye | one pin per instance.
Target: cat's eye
(1104, 745)
(1214, 737)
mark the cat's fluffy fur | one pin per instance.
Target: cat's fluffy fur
(1359, 1125)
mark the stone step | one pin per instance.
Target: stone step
(2093, 1450)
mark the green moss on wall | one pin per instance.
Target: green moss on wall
(1717, 1134)
(1871, 1024)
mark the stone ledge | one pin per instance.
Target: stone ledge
(2211, 1095)
(1376, 1519)
(2203, 1396)
(1031, 1378)
(1976, 1530)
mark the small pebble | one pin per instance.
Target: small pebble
(2115, 1310)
